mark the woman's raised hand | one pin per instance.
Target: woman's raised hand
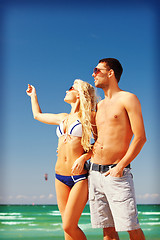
(31, 90)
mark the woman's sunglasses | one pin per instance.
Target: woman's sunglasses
(71, 88)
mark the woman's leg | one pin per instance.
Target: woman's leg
(62, 192)
(77, 200)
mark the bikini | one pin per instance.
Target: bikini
(70, 181)
(75, 130)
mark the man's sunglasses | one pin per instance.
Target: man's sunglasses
(98, 70)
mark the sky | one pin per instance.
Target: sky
(49, 45)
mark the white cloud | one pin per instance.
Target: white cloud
(28, 199)
(42, 196)
(148, 196)
(10, 197)
(34, 197)
(21, 197)
(51, 196)
(155, 195)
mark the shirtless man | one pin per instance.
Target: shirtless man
(111, 190)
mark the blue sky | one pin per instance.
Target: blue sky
(49, 46)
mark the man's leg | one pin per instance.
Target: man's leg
(136, 234)
(110, 234)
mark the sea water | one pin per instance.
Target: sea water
(43, 222)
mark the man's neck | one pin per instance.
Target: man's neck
(111, 91)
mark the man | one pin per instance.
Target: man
(111, 190)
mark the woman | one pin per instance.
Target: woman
(74, 131)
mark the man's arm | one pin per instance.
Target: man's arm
(133, 109)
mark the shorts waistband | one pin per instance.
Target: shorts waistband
(103, 168)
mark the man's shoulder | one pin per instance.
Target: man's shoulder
(100, 102)
(127, 95)
(129, 100)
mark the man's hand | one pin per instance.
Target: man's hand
(115, 172)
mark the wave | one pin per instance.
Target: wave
(150, 219)
(32, 224)
(14, 223)
(149, 213)
(36, 229)
(8, 218)
(86, 214)
(57, 213)
(150, 223)
(15, 218)
(54, 213)
(11, 214)
(86, 226)
(39, 229)
(56, 227)
(56, 224)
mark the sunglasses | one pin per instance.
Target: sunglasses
(98, 70)
(71, 88)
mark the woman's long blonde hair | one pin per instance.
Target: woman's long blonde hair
(88, 103)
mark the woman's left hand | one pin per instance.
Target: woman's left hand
(78, 165)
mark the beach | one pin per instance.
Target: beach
(43, 222)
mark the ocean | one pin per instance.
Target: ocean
(43, 222)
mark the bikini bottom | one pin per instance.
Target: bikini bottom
(71, 180)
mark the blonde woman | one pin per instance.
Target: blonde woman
(74, 131)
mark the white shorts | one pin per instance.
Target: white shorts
(112, 201)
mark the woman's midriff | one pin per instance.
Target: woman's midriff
(68, 152)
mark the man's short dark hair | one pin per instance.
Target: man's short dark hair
(115, 65)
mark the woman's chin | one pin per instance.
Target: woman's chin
(66, 100)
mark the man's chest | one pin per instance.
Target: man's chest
(110, 113)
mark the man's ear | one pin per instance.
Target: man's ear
(110, 73)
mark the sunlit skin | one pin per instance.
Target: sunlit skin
(118, 119)
(69, 153)
(71, 149)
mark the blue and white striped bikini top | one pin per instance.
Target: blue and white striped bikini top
(75, 129)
